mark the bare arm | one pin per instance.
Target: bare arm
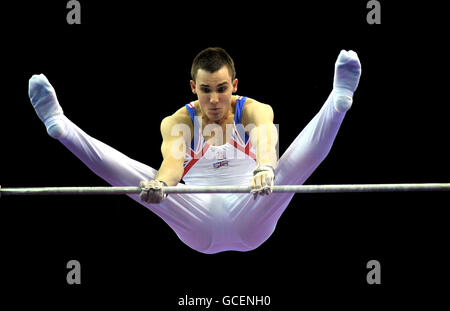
(175, 133)
(263, 133)
(258, 118)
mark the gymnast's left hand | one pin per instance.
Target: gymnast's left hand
(262, 181)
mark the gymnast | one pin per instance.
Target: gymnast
(218, 139)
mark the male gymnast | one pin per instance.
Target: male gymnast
(218, 139)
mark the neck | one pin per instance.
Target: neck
(224, 120)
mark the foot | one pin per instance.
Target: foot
(43, 98)
(346, 79)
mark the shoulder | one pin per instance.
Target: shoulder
(254, 110)
(253, 104)
(179, 118)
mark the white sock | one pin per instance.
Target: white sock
(346, 78)
(43, 98)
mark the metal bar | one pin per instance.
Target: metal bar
(229, 189)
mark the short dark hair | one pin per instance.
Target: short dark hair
(211, 60)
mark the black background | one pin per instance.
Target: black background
(127, 66)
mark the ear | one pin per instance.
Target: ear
(235, 85)
(194, 90)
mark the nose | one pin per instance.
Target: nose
(214, 99)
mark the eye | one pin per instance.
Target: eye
(205, 90)
(222, 89)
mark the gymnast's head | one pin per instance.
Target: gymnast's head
(214, 82)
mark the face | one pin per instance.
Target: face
(214, 92)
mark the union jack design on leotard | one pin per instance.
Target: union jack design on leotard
(239, 139)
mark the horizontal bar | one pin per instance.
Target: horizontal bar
(229, 189)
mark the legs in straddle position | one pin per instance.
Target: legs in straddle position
(211, 223)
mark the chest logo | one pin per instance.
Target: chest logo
(221, 163)
(221, 159)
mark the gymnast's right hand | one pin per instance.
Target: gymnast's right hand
(152, 191)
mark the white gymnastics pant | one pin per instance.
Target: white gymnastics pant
(212, 223)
